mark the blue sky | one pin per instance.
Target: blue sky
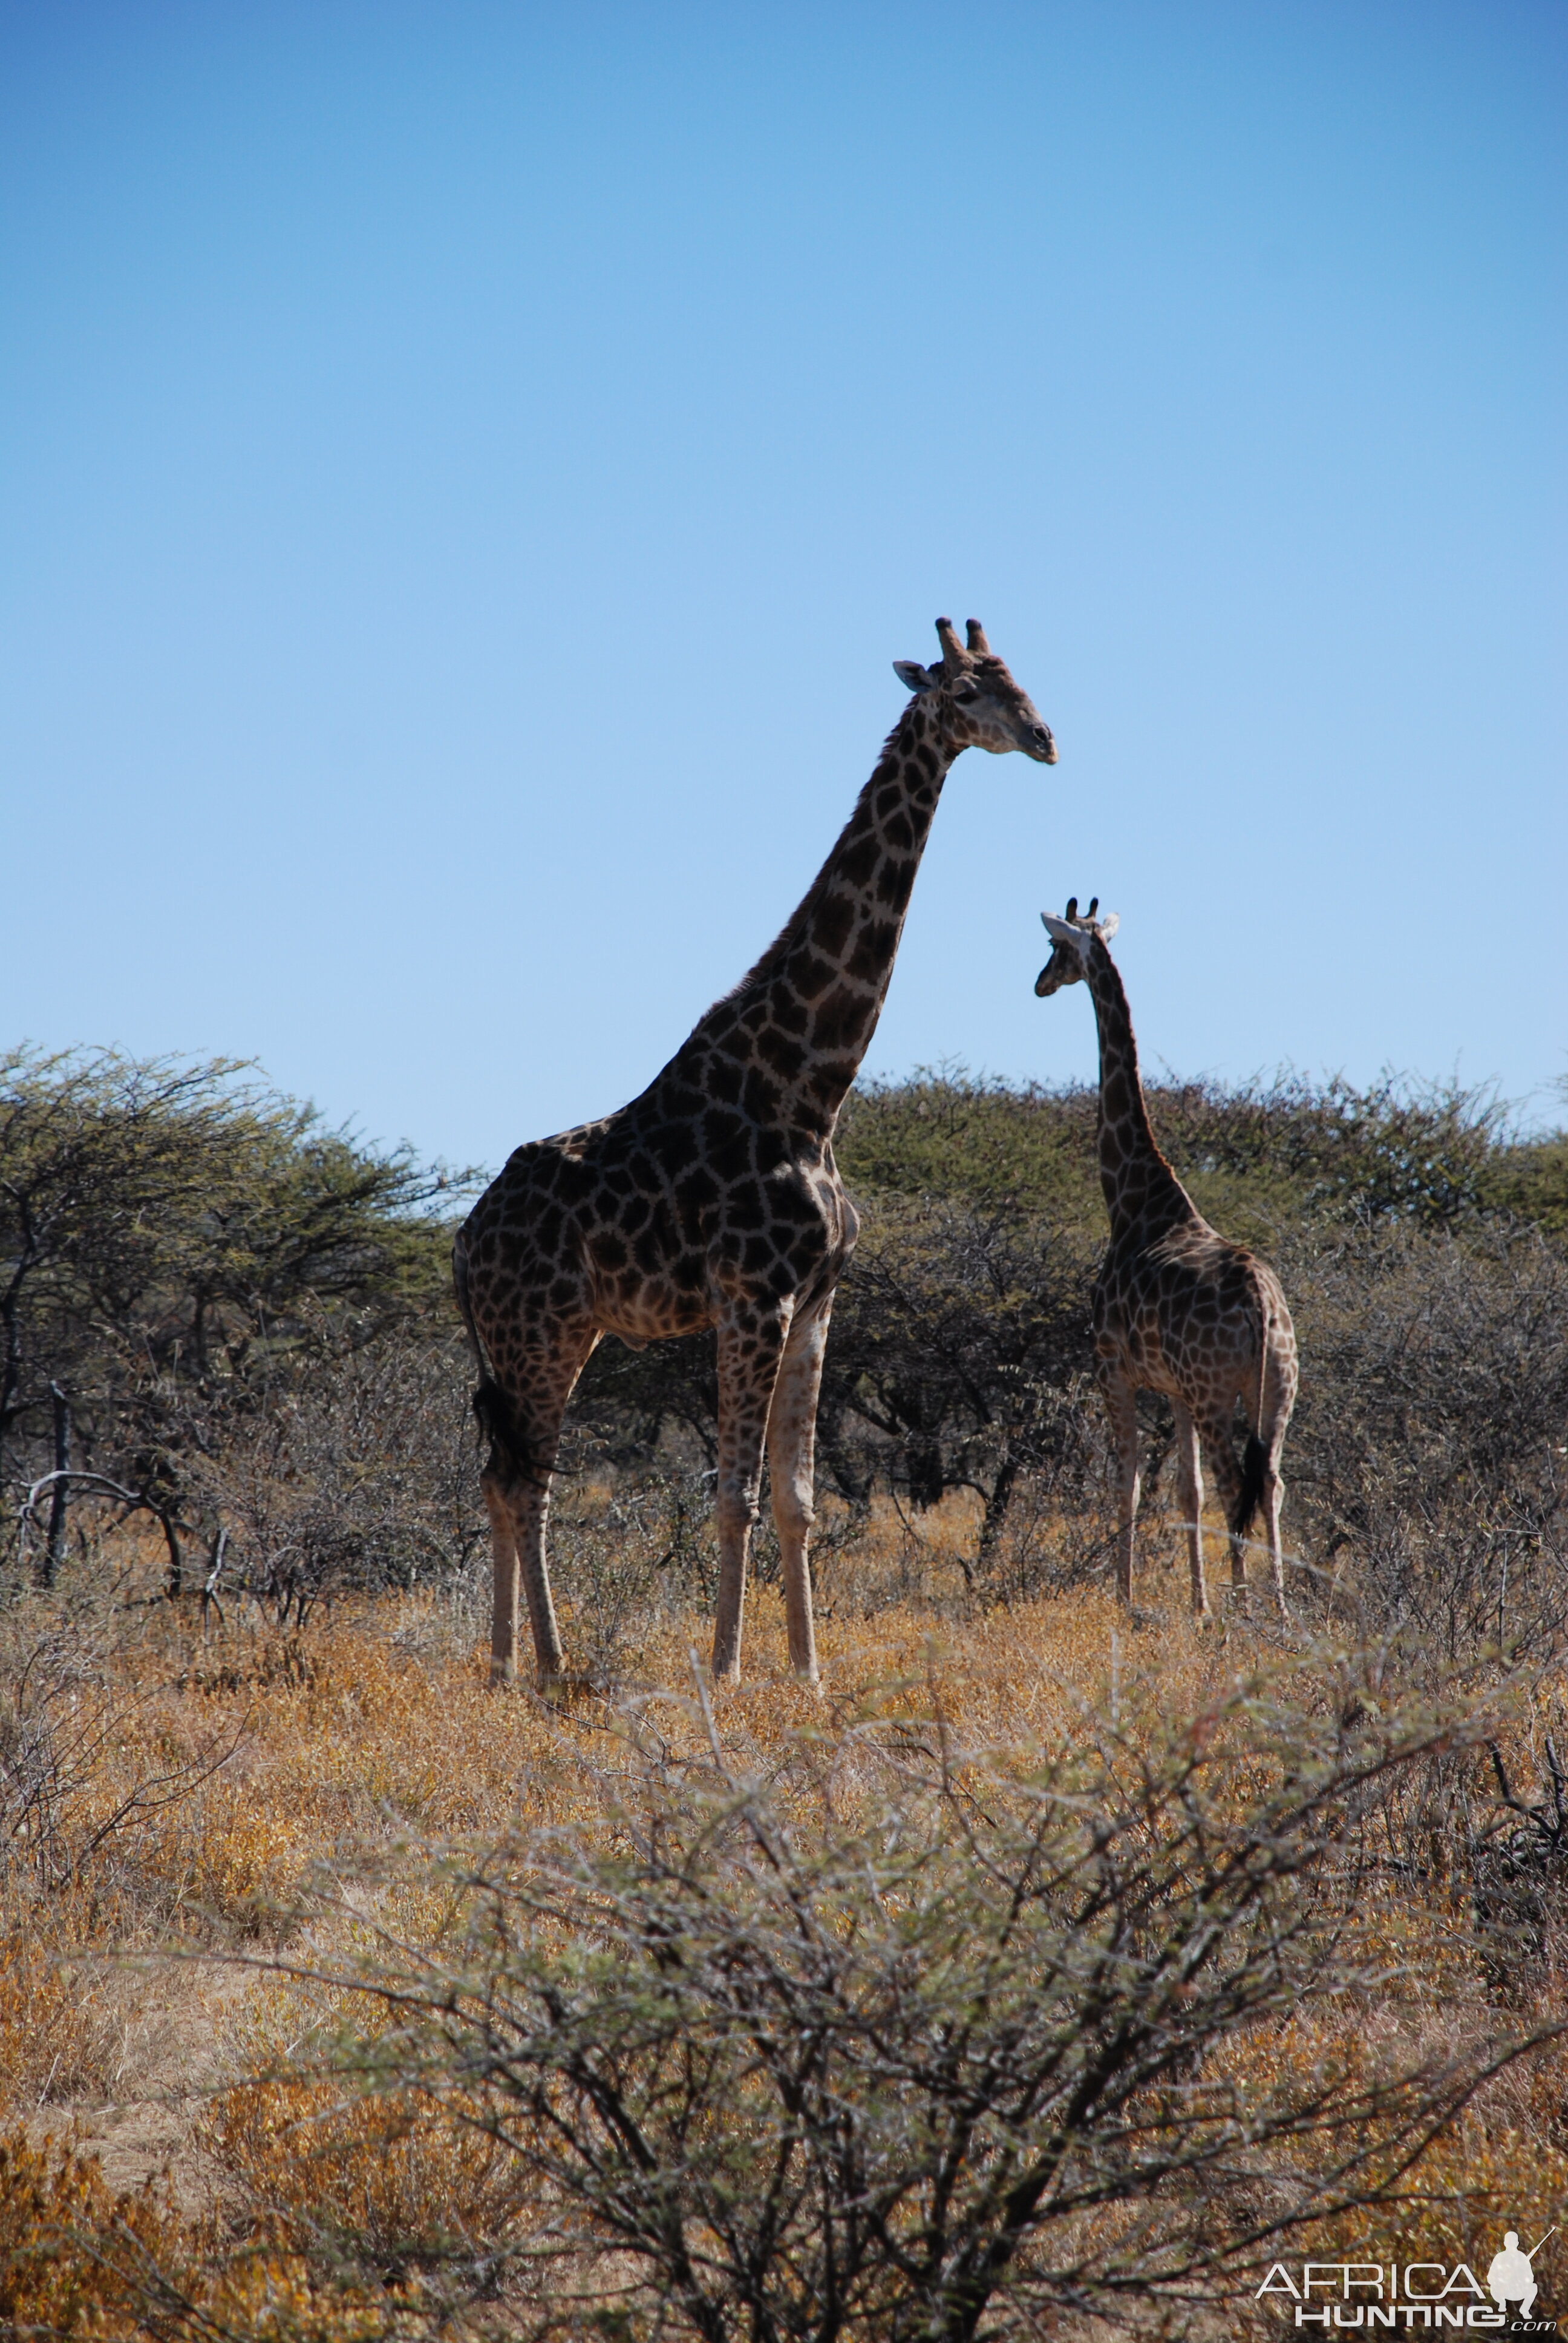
(466, 470)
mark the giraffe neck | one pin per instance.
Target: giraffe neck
(803, 1018)
(1140, 1188)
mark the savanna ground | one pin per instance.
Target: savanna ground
(1055, 1972)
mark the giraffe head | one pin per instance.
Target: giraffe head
(1070, 939)
(974, 700)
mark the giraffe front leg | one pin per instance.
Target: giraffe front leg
(751, 1339)
(1121, 1406)
(1190, 1497)
(791, 1470)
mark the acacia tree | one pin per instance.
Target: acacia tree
(168, 1235)
(1436, 1155)
(962, 1340)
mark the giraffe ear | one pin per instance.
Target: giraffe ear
(1109, 925)
(1058, 930)
(910, 673)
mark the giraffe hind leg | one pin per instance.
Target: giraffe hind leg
(1274, 1491)
(751, 1338)
(1190, 1497)
(504, 1563)
(518, 1512)
(1279, 1398)
(1214, 1428)
(524, 1436)
(1257, 1492)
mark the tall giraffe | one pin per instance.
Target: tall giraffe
(1177, 1309)
(713, 1200)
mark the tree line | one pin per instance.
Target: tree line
(217, 1310)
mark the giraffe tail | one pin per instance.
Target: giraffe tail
(492, 1408)
(1255, 1458)
(1249, 1499)
(509, 1453)
(465, 1307)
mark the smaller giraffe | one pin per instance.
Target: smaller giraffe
(1177, 1309)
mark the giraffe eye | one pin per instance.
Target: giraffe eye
(966, 691)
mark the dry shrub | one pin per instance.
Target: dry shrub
(1477, 2179)
(65, 2240)
(97, 1777)
(81, 2260)
(88, 1761)
(360, 2220)
(227, 1863)
(60, 2030)
(633, 1554)
(393, 2187)
(354, 1470)
(896, 2037)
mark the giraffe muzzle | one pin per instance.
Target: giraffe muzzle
(1045, 745)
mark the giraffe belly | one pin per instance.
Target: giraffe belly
(1138, 1356)
(648, 1286)
(1178, 1333)
(639, 1318)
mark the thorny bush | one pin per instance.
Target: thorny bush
(917, 2041)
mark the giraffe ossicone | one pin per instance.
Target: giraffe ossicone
(713, 1199)
(1177, 1308)
(1076, 932)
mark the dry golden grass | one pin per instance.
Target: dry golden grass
(129, 2041)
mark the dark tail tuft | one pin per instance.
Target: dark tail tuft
(1254, 1465)
(493, 1414)
(509, 1453)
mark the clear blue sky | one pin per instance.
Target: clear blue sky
(466, 470)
